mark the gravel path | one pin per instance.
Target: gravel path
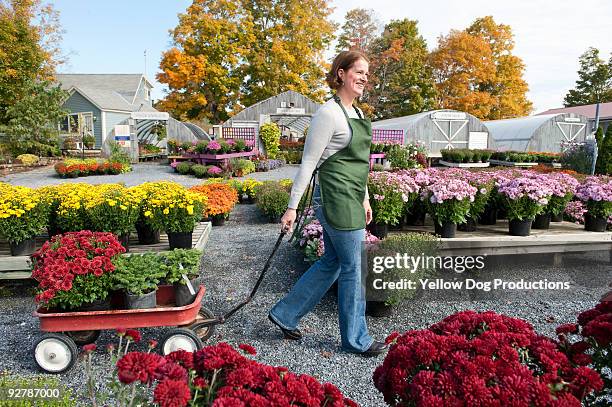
(232, 261)
(142, 172)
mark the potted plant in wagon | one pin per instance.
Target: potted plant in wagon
(448, 202)
(73, 270)
(181, 262)
(596, 193)
(525, 197)
(23, 214)
(138, 276)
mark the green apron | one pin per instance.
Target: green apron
(343, 177)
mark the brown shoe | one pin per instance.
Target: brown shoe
(377, 348)
(293, 334)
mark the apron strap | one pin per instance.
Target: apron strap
(337, 99)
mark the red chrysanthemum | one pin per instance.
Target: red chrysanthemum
(248, 348)
(172, 393)
(139, 366)
(133, 334)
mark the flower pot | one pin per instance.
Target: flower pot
(400, 224)
(181, 292)
(24, 248)
(250, 199)
(378, 309)
(380, 230)
(489, 216)
(446, 229)
(180, 240)
(148, 300)
(124, 239)
(593, 224)
(416, 217)
(468, 226)
(102, 304)
(218, 220)
(520, 227)
(541, 221)
(557, 218)
(146, 234)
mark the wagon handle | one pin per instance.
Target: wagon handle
(258, 283)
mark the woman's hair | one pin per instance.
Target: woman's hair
(344, 60)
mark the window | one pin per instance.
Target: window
(147, 93)
(76, 123)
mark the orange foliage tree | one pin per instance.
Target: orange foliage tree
(476, 72)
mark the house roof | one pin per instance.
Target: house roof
(107, 91)
(605, 110)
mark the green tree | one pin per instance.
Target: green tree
(32, 120)
(594, 82)
(604, 157)
(401, 81)
(360, 28)
(29, 50)
(291, 37)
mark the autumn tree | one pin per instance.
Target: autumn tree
(29, 48)
(288, 51)
(475, 71)
(594, 82)
(202, 69)
(359, 30)
(401, 81)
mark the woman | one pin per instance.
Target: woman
(338, 146)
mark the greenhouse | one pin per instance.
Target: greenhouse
(543, 133)
(440, 129)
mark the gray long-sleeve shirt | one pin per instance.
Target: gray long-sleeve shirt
(329, 132)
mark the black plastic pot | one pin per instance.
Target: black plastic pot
(146, 234)
(182, 294)
(103, 304)
(542, 221)
(141, 301)
(468, 226)
(557, 218)
(24, 248)
(125, 241)
(489, 216)
(180, 240)
(520, 227)
(378, 309)
(593, 224)
(400, 224)
(380, 230)
(446, 229)
(218, 220)
(416, 215)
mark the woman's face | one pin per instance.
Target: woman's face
(355, 78)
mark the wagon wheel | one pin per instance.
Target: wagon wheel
(204, 325)
(55, 353)
(180, 338)
(83, 337)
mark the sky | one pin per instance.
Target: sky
(111, 36)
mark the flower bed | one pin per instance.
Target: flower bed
(73, 168)
(482, 359)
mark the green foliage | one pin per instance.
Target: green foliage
(451, 210)
(378, 167)
(10, 380)
(184, 167)
(401, 78)
(402, 157)
(594, 82)
(119, 155)
(181, 261)
(30, 123)
(272, 199)
(523, 208)
(557, 204)
(599, 209)
(411, 244)
(200, 171)
(138, 274)
(604, 157)
(578, 158)
(85, 289)
(242, 167)
(270, 135)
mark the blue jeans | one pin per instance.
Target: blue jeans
(342, 261)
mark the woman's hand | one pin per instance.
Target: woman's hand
(368, 211)
(288, 220)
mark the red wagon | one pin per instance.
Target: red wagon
(56, 350)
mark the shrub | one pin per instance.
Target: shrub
(468, 156)
(272, 199)
(184, 168)
(200, 171)
(378, 167)
(578, 157)
(476, 156)
(28, 159)
(270, 135)
(118, 155)
(138, 274)
(242, 167)
(604, 158)
(180, 261)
